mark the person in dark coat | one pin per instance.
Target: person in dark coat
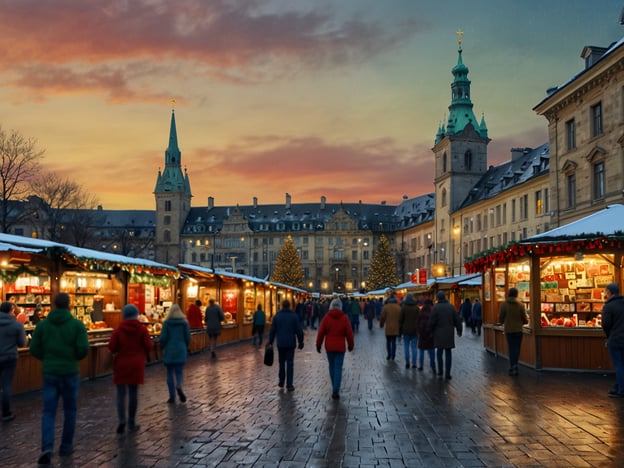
(513, 317)
(175, 339)
(408, 319)
(258, 322)
(286, 328)
(613, 326)
(335, 329)
(466, 314)
(213, 318)
(130, 344)
(477, 317)
(369, 313)
(12, 336)
(425, 338)
(444, 321)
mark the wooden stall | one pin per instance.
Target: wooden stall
(561, 277)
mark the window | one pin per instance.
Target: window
(513, 211)
(571, 187)
(443, 197)
(539, 203)
(444, 163)
(570, 127)
(167, 236)
(468, 160)
(167, 220)
(599, 180)
(546, 201)
(524, 207)
(498, 215)
(167, 205)
(596, 119)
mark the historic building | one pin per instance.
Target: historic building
(585, 130)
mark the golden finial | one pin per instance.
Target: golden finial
(459, 33)
(172, 103)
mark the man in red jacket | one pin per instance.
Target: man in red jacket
(335, 329)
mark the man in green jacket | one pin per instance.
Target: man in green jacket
(60, 342)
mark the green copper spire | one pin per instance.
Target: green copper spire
(172, 179)
(460, 110)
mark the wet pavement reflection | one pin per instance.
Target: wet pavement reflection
(387, 415)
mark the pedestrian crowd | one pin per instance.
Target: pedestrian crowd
(427, 329)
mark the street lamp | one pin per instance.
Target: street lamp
(214, 249)
(362, 244)
(456, 232)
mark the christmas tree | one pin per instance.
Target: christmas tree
(288, 268)
(382, 272)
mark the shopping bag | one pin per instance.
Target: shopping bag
(268, 355)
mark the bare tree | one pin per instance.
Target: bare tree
(19, 164)
(68, 210)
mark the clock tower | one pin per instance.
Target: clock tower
(173, 202)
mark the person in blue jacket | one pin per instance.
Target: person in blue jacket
(175, 339)
(287, 330)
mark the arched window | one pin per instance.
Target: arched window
(468, 160)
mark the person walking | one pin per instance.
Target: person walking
(194, 314)
(477, 317)
(60, 341)
(444, 321)
(513, 317)
(390, 319)
(258, 323)
(408, 328)
(287, 330)
(130, 345)
(465, 311)
(425, 338)
(12, 336)
(369, 313)
(613, 326)
(213, 318)
(354, 314)
(335, 328)
(175, 339)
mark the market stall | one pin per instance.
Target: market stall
(561, 276)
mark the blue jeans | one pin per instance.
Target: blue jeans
(7, 371)
(175, 378)
(286, 358)
(65, 387)
(445, 360)
(132, 403)
(335, 360)
(514, 341)
(391, 346)
(410, 342)
(617, 358)
(421, 358)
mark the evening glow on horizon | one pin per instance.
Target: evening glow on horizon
(311, 98)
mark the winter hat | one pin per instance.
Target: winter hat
(336, 304)
(409, 299)
(441, 296)
(130, 312)
(6, 307)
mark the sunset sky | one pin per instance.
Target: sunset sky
(335, 98)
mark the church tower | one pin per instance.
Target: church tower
(173, 202)
(460, 151)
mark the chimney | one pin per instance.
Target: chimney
(210, 203)
(255, 202)
(405, 197)
(288, 201)
(323, 201)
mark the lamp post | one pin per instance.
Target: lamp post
(362, 245)
(456, 232)
(214, 249)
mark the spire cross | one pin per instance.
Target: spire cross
(459, 33)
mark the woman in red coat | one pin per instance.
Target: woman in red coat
(335, 329)
(194, 315)
(130, 344)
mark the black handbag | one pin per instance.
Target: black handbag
(268, 355)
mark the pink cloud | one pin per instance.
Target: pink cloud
(238, 41)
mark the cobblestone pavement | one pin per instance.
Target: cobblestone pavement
(387, 415)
